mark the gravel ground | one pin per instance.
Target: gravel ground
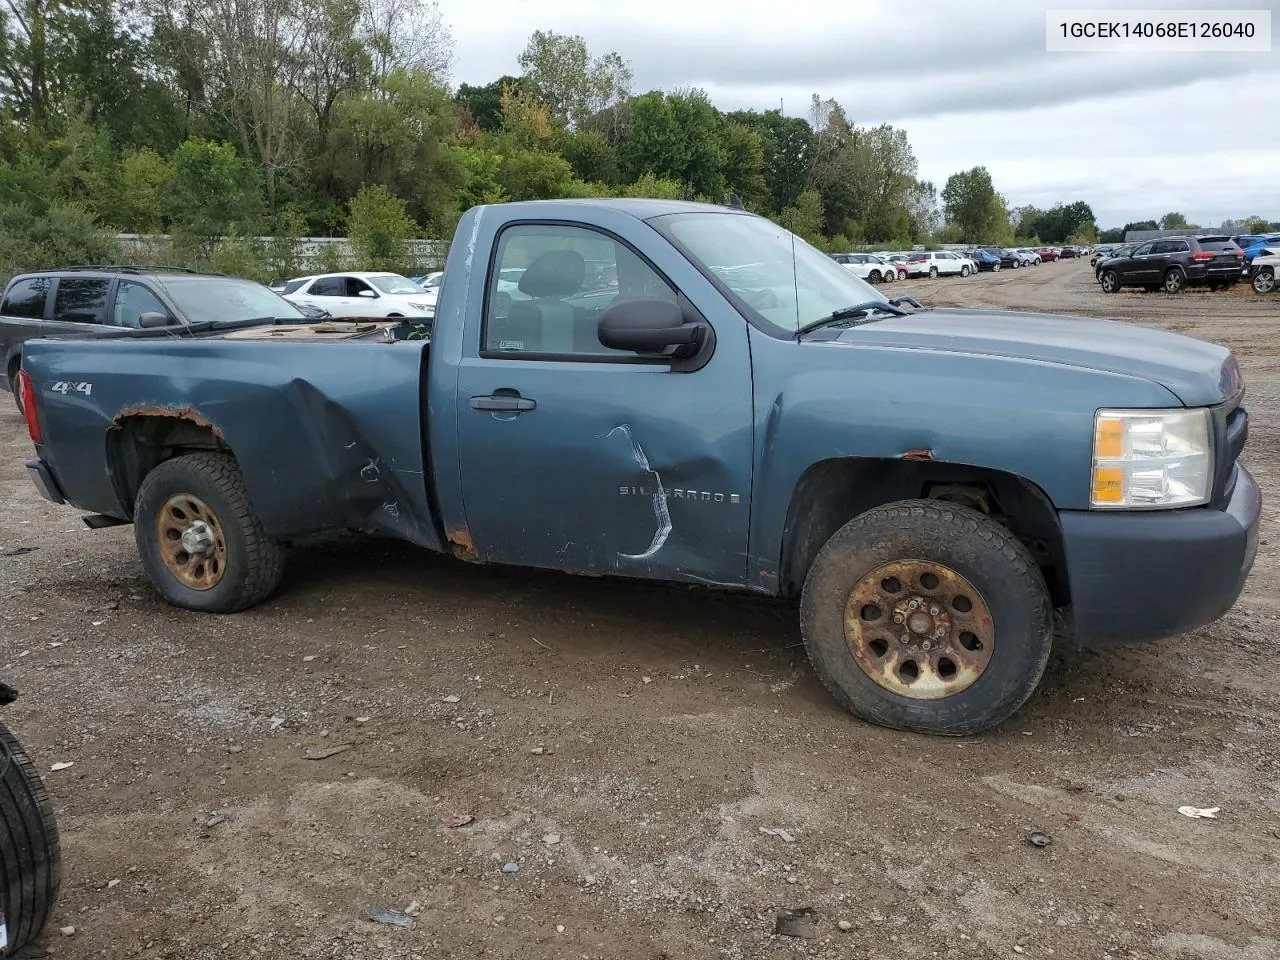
(626, 746)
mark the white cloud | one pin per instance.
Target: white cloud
(1135, 135)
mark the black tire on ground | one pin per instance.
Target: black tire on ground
(874, 276)
(997, 566)
(254, 563)
(933, 273)
(1264, 281)
(30, 862)
(17, 392)
(1174, 280)
(1110, 281)
(995, 268)
(964, 271)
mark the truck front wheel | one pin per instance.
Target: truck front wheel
(927, 616)
(200, 542)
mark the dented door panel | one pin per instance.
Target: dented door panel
(620, 468)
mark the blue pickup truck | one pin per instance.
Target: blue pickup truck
(689, 393)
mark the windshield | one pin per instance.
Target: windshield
(753, 257)
(395, 285)
(205, 299)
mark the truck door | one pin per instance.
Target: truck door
(582, 458)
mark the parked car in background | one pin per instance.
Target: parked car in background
(124, 300)
(1027, 257)
(1047, 254)
(1171, 263)
(1103, 251)
(984, 259)
(1253, 245)
(867, 266)
(899, 262)
(934, 263)
(1265, 268)
(1116, 252)
(363, 295)
(1009, 259)
(1069, 253)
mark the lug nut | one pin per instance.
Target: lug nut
(897, 618)
(926, 645)
(935, 609)
(913, 604)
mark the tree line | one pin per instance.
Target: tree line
(216, 121)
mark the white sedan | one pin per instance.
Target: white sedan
(867, 266)
(362, 295)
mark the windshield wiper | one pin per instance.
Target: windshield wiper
(847, 313)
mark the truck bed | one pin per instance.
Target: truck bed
(342, 447)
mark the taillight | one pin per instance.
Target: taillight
(28, 388)
(1203, 256)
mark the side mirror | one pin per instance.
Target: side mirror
(647, 325)
(153, 318)
(368, 293)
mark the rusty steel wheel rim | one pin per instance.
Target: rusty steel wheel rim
(191, 542)
(919, 629)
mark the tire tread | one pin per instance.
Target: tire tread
(969, 526)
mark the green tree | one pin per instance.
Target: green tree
(378, 228)
(591, 155)
(805, 218)
(788, 145)
(483, 104)
(145, 179)
(652, 144)
(701, 151)
(534, 175)
(744, 164)
(1111, 235)
(55, 236)
(214, 191)
(1173, 221)
(562, 73)
(970, 203)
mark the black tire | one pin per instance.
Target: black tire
(995, 268)
(1174, 280)
(1110, 281)
(1264, 281)
(17, 391)
(964, 271)
(990, 558)
(874, 276)
(254, 563)
(30, 859)
(933, 273)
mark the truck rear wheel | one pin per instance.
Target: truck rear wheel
(15, 384)
(927, 616)
(30, 863)
(200, 542)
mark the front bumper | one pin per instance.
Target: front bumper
(42, 477)
(1147, 575)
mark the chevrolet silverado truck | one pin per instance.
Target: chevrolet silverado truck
(689, 393)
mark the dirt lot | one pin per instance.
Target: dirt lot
(624, 744)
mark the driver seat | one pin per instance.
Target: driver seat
(545, 323)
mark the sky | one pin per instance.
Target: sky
(1136, 135)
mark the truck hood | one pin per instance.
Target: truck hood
(1197, 372)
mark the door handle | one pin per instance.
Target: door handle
(503, 402)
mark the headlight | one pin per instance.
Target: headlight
(1147, 459)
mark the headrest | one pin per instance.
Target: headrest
(556, 273)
